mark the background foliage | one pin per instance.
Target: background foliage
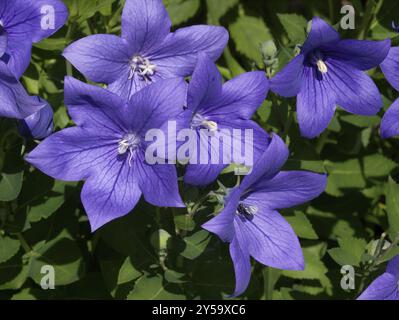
(163, 253)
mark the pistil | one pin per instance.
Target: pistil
(142, 67)
(129, 143)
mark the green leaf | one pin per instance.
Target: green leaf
(182, 10)
(127, 272)
(350, 251)
(248, 34)
(152, 288)
(174, 276)
(302, 226)
(184, 222)
(361, 121)
(314, 267)
(13, 273)
(377, 165)
(344, 175)
(217, 9)
(50, 203)
(392, 202)
(68, 267)
(196, 244)
(10, 185)
(8, 248)
(294, 25)
(52, 44)
(270, 278)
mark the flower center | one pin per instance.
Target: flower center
(200, 122)
(317, 59)
(246, 211)
(128, 143)
(321, 66)
(142, 67)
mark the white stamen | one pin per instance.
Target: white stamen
(129, 143)
(143, 67)
(210, 125)
(322, 66)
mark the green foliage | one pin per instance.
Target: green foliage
(159, 253)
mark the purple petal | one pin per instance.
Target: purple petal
(240, 97)
(205, 85)
(73, 154)
(202, 174)
(288, 82)
(385, 287)
(320, 34)
(269, 163)
(145, 24)
(154, 105)
(15, 101)
(18, 54)
(354, 90)
(101, 57)
(390, 67)
(126, 88)
(178, 54)
(29, 17)
(3, 41)
(111, 193)
(393, 267)
(241, 262)
(223, 224)
(271, 240)
(22, 20)
(360, 54)
(38, 125)
(94, 107)
(315, 104)
(390, 121)
(234, 147)
(287, 189)
(163, 179)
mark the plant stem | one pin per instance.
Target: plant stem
(24, 243)
(68, 37)
(370, 14)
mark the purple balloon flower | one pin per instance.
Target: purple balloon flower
(23, 22)
(107, 148)
(15, 101)
(329, 72)
(250, 221)
(147, 50)
(386, 286)
(38, 125)
(221, 109)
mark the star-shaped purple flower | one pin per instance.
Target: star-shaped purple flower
(329, 72)
(15, 101)
(390, 68)
(250, 221)
(222, 109)
(386, 286)
(147, 50)
(107, 148)
(23, 22)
